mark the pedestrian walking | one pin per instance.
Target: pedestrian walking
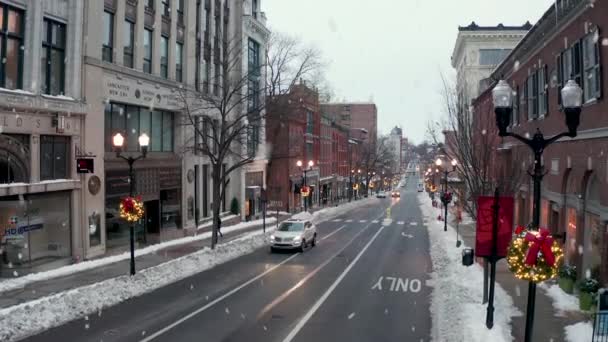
(219, 227)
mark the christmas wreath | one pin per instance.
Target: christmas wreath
(534, 255)
(131, 209)
(446, 197)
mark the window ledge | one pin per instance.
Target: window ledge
(16, 91)
(42, 186)
(590, 102)
(58, 97)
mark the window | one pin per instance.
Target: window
(253, 101)
(253, 139)
(531, 86)
(11, 41)
(164, 57)
(577, 63)
(166, 7)
(254, 8)
(542, 91)
(492, 56)
(129, 40)
(150, 4)
(560, 77)
(108, 37)
(591, 63)
(309, 155)
(309, 123)
(54, 157)
(515, 115)
(53, 58)
(254, 57)
(206, 74)
(216, 80)
(180, 12)
(197, 65)
(133, 121)
(148, 51)
(179, 48)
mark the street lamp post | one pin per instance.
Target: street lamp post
(502, 96)
(310, 165)
(118, 141)
(444, 199)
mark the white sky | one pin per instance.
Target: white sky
(392, 51)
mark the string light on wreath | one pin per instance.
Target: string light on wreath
(131, 209)
(534, 255)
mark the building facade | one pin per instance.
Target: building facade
(394, 141)
(577, 169)
(478, 50)
(355, 116)
(43, 124)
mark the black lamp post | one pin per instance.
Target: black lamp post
(444, 198)
(502, 96)
(118, 141)
(310, 165)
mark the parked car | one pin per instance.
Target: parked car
(381, 194)
(294, 234)
(396, 194)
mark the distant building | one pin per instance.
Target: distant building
(394, 140)
(354, 116)
(478, 50)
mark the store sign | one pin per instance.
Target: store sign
(23, 229)
(84, 165)
(485, 220)
(305, 191)
(139, 92)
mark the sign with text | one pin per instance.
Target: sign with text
(485, 217)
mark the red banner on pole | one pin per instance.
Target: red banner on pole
(485, 216)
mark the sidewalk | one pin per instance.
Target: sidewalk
(38, 289)
(548, 324)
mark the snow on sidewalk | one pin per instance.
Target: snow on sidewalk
(579, 332)
(18, 283)
(456, 309)
(29, 318)
(562, 302)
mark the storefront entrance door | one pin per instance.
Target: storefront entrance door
(152, 221)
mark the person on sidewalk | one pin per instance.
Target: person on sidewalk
(219, 227)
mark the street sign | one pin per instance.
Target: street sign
(84, 165)
(485, 214)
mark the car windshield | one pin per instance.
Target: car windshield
(291, 227)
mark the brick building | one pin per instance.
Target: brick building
(293, 131)
(354, 116)
(573, 193)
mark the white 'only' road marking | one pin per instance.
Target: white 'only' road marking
(215, 301)
(331, 289)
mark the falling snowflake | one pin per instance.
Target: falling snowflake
(516, 66)
(483, 132)
(265, 329)
(580, 249)
(143, 333)
(227, 311)
(15, 273)
(19, 256)
(86, 326)
(10, 264)
(588, 273)
(413, 328)
(243, 316)
(86, 318)
(191, 287)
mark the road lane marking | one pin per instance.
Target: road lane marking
(362, 221)
(409, 236)
(352, 314)
(401, 223)
(413, 223)
(349, 221)
(332, 233)
(337, 220)
(375, 221)
(387, 222)
(215, 301)
(329, 291)
(285, 294)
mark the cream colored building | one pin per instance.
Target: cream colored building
(478, 51)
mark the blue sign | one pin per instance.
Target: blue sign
(22, 229)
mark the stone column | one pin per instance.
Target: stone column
(158, 22)
(138, 53)
(32, 47)
(75, 41)
(119, 27)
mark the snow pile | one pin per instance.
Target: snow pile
(562, 301)
(579, 332)
(456, 309)
(332, 212)
(27, 319)
(18, 283)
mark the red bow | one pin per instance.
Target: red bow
(128, 204)
(540, 243)
(519, 230)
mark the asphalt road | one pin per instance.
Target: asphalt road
(364, 281)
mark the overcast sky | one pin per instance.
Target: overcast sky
(392, 51)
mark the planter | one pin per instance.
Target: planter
(566, 284)
(585, 301)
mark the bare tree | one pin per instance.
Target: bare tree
(375, 157)
(227, 118)
(473, 142)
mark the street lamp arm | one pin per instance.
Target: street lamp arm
(538, 142)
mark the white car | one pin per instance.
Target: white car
(420, 187)
(381, 194)
(294, 234)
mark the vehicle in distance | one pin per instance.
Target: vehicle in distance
(396, 194)
(294, 234)
(420, 187)
(381, 194)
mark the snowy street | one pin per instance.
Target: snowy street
(371, 272)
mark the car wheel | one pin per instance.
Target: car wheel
(314, 240)
(303, 246)
(272, 250)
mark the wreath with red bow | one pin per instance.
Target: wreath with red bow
(534, 255)
(131, 209)
(446, 197)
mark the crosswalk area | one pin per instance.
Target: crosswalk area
(384, 221)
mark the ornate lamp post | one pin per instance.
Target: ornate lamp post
(502, 96)
(446, 198)
(118, 141)
(309, 168)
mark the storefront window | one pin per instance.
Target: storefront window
(117, 229)
(157, 131)
(594, 249)
(167, 132)
(170, 209)
(35, 229)
(54, 157)
(132, 128)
